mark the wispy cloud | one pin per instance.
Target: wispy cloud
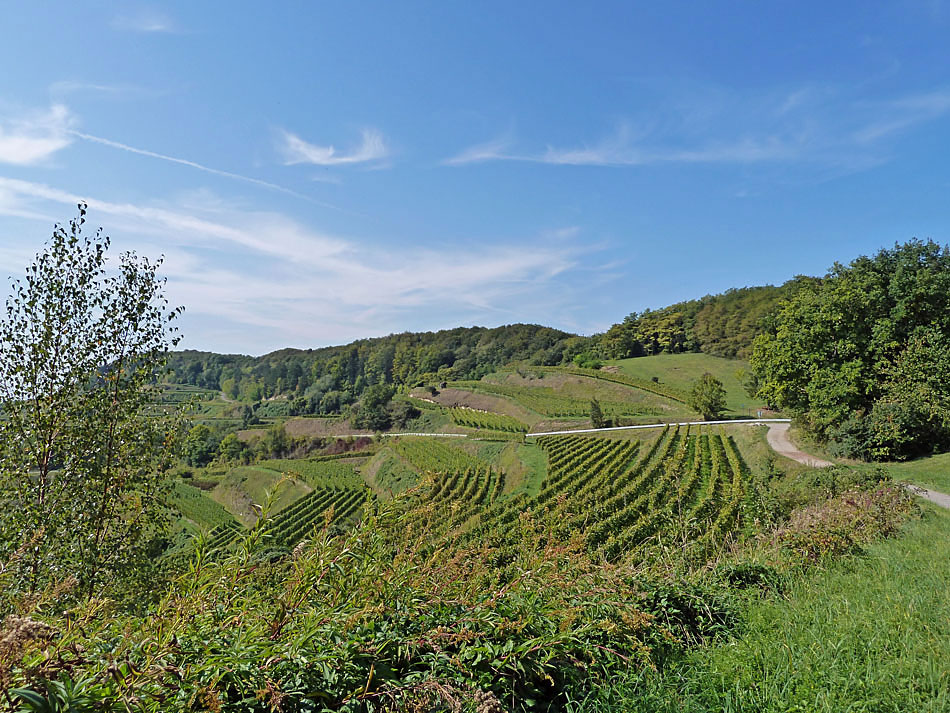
(295, 150)
(615, 150)
(904, 113)
(66, 87)
(808, 124)
(185, 162)
(495, 150)
(32, 138)
(243, 273)
(143, 20)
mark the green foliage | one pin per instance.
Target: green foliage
(596, 414)
(361, 622)
(199, 446)
(325, 381)
(708, 397)
(373, 412)
(82, 443)
(456, 595)
(722, 325)
(861, 357)
(586, 360)
(862, 634)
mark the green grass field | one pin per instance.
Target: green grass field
(932, 472)
(679, 371)
(871, 633)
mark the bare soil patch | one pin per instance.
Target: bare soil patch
(460, 398)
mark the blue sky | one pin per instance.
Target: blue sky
(319, 172)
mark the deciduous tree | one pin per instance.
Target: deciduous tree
(83, 443)
(708, 397)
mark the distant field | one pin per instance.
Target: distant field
(680, 371)
(545, 394)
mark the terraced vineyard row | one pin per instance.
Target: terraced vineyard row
(197, 507)
(337, 507)
(487, 421)
(616, 494)
(430, 456)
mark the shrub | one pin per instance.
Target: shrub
(842, 524)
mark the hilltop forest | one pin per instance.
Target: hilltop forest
(327, 380)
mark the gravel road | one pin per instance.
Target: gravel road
(778, 439)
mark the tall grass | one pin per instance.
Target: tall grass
(869, 633)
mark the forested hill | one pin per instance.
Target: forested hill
(321, 380)
(722, 325)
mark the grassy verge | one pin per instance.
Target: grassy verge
(932, 472)
(871, 633)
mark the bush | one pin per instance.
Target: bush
(841, 524)
(358, 622)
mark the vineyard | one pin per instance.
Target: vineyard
(616, 494)
(428, 455)
(198, 508)
(337, 508)
(334, 471)
(487, 420)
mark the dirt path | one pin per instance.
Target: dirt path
(778, 439)
(932, 495)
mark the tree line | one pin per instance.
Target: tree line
(861, 356)
(723, 325)
(327, 380)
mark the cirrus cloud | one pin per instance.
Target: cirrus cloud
(295, 150)
(33, 137)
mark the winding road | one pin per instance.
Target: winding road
(780, 442)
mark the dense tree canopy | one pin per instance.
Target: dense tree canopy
(324, 381)
(708, 397)
(722, 325)
(862, 356)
